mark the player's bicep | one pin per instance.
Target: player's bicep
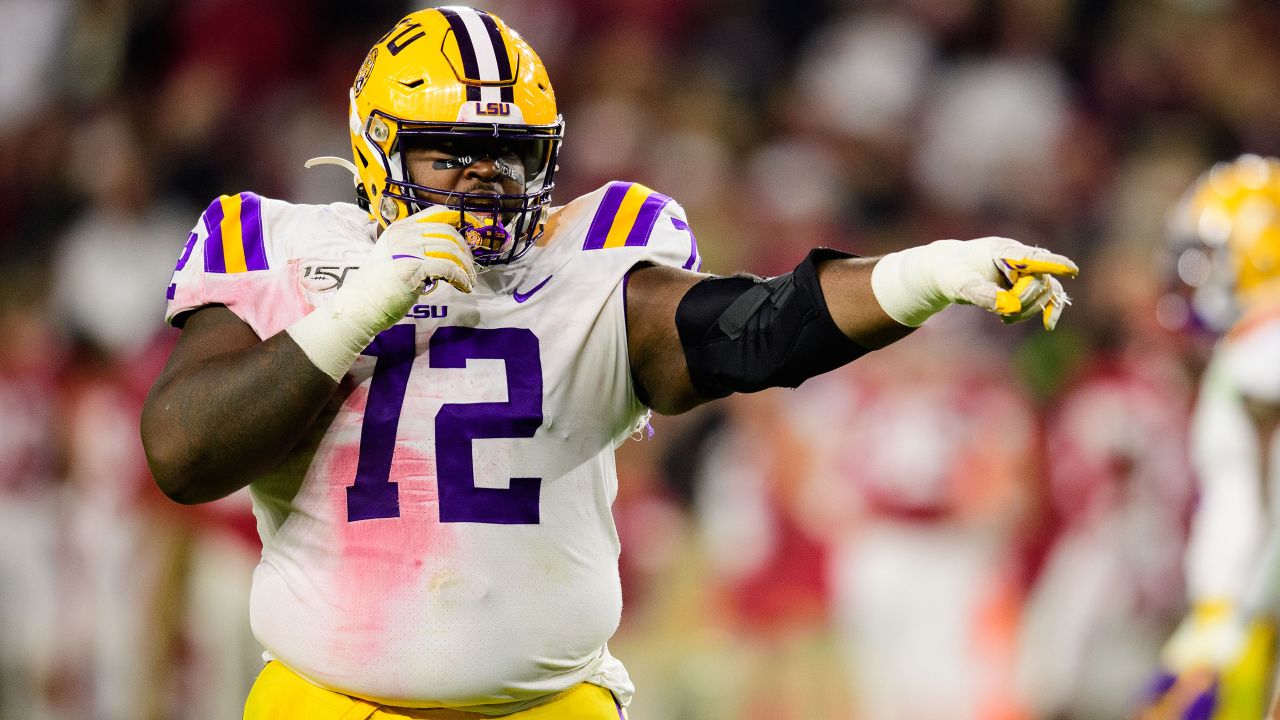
(207, 332)
(169, 435)
(658, 368)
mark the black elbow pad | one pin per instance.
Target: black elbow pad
(743, 333)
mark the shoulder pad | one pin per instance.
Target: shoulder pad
(235, 242)
(625, 216)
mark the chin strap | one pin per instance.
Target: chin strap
(330, 160)
(362, 198)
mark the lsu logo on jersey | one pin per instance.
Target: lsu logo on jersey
(428, 312)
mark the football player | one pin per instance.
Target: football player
(423, 390)
(1226, 241)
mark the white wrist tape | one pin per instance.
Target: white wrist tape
(334, 336)
(997, 274)
(409, 252)
(904, 284)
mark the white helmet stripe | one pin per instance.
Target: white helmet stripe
(486, 59)
(505, 70)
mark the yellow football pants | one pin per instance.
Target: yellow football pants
(279, 694)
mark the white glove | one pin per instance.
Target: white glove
(424, 246)
(1213, 636)
(997, 274)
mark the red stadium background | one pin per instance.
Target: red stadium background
(980, 522)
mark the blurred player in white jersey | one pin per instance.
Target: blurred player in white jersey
(423, 391)
(1226, 235)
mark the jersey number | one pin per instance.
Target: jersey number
(373, 495)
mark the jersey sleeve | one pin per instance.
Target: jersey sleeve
(229, 260)
(1249, 360)
(599, 238)
(1228, 530)
(649, 225)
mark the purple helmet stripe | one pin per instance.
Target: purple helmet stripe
(645, 219)
(214, 261)
(169, 293)
(500, 52)
(603, 220)
(694, 262)
(255, 249)
(465, 48)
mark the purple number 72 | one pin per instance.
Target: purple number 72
(373, 495)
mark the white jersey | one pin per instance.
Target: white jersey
(1234, 550)
(443, 535)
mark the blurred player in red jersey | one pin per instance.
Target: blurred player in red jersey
(423, 390)
(920, 461)
(1119, 494)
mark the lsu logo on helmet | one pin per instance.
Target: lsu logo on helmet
(363, 76)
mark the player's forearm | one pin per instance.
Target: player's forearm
(692, 339)
(846, 286)
(219, 424)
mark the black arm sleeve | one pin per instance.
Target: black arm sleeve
(743, 334)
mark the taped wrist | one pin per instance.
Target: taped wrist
(903, 282)
(331, 342)
(372, 300)
(742, 333)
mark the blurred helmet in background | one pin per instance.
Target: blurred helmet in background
(457, 77)
(1225, 245)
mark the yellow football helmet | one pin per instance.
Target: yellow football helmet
(1225, 238)
(456, 75)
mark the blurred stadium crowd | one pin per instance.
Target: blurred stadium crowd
(980, 522)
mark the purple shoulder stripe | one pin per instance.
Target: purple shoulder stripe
(694, 262)
(213, 257)
(603, 220)
(650, 209)
(255, 248)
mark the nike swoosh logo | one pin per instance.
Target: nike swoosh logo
(521, 297)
